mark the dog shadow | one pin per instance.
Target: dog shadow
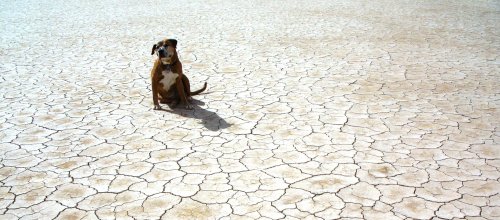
(209, 119)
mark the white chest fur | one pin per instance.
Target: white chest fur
(168, 79)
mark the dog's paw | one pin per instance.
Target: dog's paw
(157, 107)
(189, 107)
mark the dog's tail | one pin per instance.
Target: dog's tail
(199, 90)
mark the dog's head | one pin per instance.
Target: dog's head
(166, 51)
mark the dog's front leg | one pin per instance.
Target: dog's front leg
(155, 94)
(187, 87)
(182, 94)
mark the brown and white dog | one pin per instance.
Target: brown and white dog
(169, 84)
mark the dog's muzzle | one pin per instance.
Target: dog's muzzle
(162, 54)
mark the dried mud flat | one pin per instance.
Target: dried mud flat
(314, 110)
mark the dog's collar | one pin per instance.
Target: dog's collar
(168, 65)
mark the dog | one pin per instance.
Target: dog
(169, 84)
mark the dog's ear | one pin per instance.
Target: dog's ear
(154, 49)
(173, 42)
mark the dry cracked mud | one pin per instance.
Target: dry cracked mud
(314, 110)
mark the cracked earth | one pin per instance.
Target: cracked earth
(314, 110)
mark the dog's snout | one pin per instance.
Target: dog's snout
(162, 52)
